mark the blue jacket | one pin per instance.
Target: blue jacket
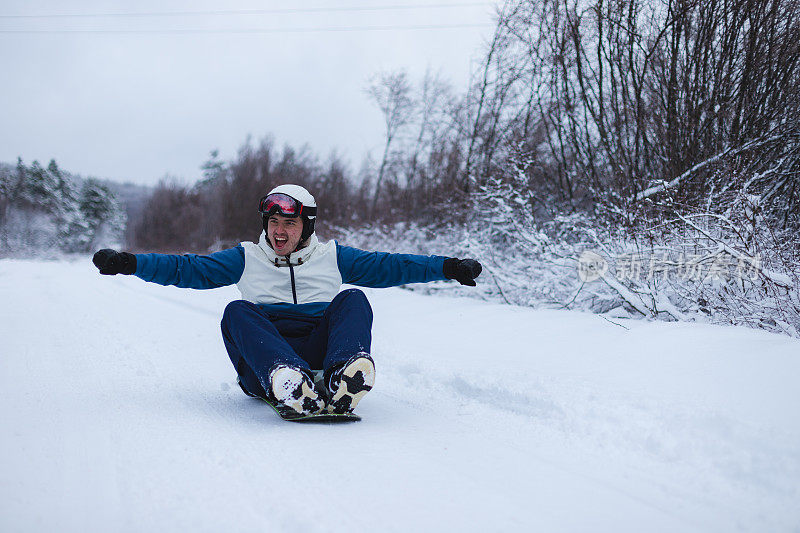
(356, 267)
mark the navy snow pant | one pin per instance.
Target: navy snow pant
(257, 340)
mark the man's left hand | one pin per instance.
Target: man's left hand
(463, 271)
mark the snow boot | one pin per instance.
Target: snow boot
(293, 388)
(348, 383)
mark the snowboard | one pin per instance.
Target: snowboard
(286, 413)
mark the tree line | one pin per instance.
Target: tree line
(622, 110)
(633, 127)
(46, 208)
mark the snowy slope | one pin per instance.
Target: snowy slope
(121, 413)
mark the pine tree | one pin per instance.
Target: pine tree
(39, 188)
(53, 209)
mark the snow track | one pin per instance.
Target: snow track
(121, 413)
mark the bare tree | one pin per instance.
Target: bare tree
(391, 92)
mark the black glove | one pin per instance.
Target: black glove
(462, 270)
(111, 262)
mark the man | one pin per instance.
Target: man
(292, 319)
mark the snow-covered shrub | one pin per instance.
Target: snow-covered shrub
(699, 267)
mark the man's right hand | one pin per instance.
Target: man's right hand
(111, 262)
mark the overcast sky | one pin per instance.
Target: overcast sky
(137, 106)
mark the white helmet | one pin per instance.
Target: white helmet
(298, 193)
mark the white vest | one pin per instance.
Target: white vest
(316, 273)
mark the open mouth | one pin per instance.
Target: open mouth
(280, 242)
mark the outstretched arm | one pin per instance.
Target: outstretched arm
(188, 271)
(381, 269)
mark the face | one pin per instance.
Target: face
(284, 233)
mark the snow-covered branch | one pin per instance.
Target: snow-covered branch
(729, 152)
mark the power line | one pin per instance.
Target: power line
(280, 11)
(258, 30)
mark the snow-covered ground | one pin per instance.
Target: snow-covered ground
(120, 412)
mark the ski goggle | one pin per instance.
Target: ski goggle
(284, 205)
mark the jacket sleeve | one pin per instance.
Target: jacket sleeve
(381, 269)
(192, 271)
